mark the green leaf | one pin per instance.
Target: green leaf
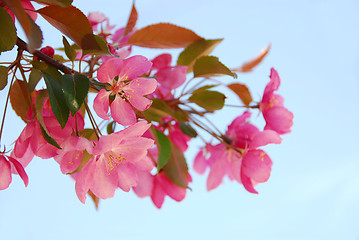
(7, 31)
(69, 51)
(20, 99)
(61, 3)
(75, 88)
(210, 66)
(163, 35)
(196, 50)
(176, 168)
(3, 77)
(203, 88)
(163, 146)
(242, 92)
(209, 100)
(48, 138)
(111, 127)
(93, 44)
(157, 110)
(32, 31)
(57, 99)
(188, 129)
(34, 78)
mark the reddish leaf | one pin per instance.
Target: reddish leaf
(196, 50)
(71, 22)
(248, 66)
(131, 23)
(32, 31)
(20, 98)
(3, 77)
(163, 35)
(62, 3)
(242, 92)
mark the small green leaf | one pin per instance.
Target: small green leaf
(188, 129)
(209, 100)
(57, 99)
(202, 47)
(111, 127)
(89, 134)
(242, 92)
(163, 146)
(3, 77)
(75, 89)
(176, 168)
(61, 3)
(69, 51)
(158, 109)
(210, 66)
(34, 78)
(7, 31)
(203, 88)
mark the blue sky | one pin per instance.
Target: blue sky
(314, 187)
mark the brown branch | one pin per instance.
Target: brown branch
(49, 60)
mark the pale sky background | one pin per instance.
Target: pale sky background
(313, 192)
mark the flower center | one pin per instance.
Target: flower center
(113, 160)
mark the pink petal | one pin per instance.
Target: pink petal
(85, 179)
(200, 163)
(134, 67)
(247, 184)
(122, 112)
(172, 190)
(216, 174)
(257, 165)
(109, 70)
(28, 5)
(19, 168)
(139, 102)
(5, 173)
(264, 138)
(278, 119)
(145, 184)
(127, 177)
(162, 61)
(158, 195)
(274, 82)
(101, 104)
(70, 161)
(135, 130)
(141, 86)
(172, 77)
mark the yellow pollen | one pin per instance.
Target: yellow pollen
(125, 77)
(262, 156)
(114, 160)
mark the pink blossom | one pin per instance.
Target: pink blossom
(125, 85)
(277, 117)
(158, 187)
(242, 161)
(6, 164)
(169, 77)
(117, 159)
(96, 18)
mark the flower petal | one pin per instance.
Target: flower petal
(278, 119)
(127, 177)
(122, 112)
(109, 70)
(101, 104)
(162, 61)
(216, 174)
(158, 194)
(19, 168)
(134, 67)
(172, 77)
(257, 165)
(247, 184)
(5, 173)
(265, 137)
(144, 186)
(200, 163)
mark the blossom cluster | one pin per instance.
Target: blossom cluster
(150, 108)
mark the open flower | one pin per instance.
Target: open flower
(116, 160)
(6, 164)
(125, 85)
(277, 117)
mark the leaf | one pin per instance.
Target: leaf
(188, 129)
(248, 66)
(209, 100)
(44, 67)
(3, 77)
(20, 98)
(89, 134)
(163, 146)
(34, 78)
(32, 31)
(71, 22)
(7, 31)
(69, 51)
(75, 88)
(163, 35)
(94, 198)
(203, 88)
(200, 48)
(157, 110)
(57, 99)
(210, 66)
(61, 3)
(48, 138)
(111, 127)
(176, 168)
(131, 22)
(93, 44)
(242, 92)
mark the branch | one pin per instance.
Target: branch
(49, 60)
